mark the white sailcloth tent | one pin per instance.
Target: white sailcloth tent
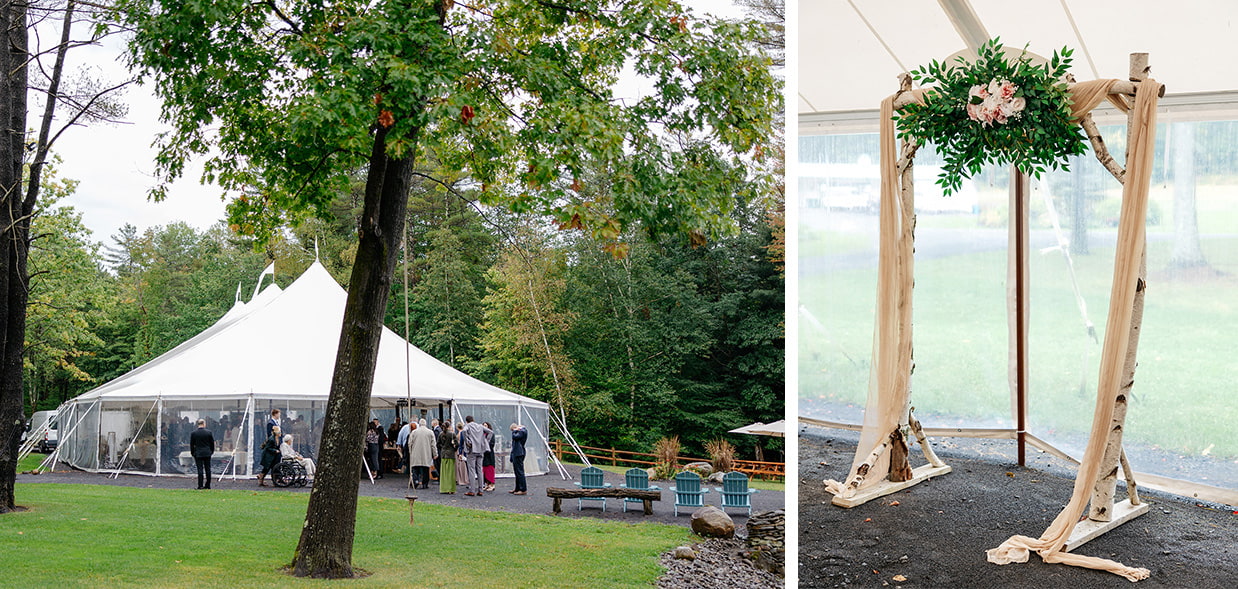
(277, 351)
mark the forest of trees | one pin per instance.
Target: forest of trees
(671, 339)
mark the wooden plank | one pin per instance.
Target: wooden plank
(1090, 529)
(919, 474)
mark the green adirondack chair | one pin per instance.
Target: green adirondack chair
(636, 478)
(591, 478)
(688, 491)
(735, 491)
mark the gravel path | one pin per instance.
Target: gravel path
(937, 533)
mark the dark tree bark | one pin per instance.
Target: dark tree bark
(325, 548)
(14, 236)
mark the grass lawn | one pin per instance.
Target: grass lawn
(91, 536)
(30, 462)
(752, 483)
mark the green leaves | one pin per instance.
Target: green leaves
(1034, 131)
(517, 94)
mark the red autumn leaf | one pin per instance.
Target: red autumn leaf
(573, 223)
(378, 98)
(576, 184)
(618, 250)
(386, 119)
(466, 114)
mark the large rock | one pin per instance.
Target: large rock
(702, 468)
(712, 522)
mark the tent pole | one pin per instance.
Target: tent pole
(249, 434)
(159, 437)
(1021, 293)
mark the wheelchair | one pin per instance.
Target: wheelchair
(289, 473)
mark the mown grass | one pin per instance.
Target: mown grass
(30, 462)
(1182, 399)
(92, 536)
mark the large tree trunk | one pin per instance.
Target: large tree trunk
(325, 548)
(14, 237)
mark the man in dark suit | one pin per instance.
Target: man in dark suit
(202, 447)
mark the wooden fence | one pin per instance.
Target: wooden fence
(613, 457)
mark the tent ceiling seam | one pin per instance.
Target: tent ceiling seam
(873, 29)
(1079, 37)
(966, 23)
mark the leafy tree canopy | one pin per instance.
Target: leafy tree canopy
(517, 94)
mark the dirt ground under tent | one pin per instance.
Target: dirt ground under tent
(937, 533)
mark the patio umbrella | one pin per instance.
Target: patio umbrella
(776, 429)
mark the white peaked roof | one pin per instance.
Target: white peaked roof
(282, 344)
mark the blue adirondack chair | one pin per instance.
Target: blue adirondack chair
(591, 478)
(637, 478)
(735, 491)
(688, 491)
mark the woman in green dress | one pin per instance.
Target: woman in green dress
(447, 459)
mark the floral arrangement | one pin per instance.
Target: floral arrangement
(994, 111)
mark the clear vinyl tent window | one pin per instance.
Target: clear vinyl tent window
(1179, 412)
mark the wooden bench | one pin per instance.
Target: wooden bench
(647, 496)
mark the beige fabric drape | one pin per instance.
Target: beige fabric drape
(890, 370)
(1117, 331)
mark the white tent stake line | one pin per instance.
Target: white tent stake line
(133, 440)
(571, 440)
(546, 441)
(50, 461)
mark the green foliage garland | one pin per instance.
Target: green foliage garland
(973, 122)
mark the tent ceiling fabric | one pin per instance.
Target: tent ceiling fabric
(844, 66)
(283, 344)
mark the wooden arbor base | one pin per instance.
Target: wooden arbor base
(1089, 529)
(886, 487)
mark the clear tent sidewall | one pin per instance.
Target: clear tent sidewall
(150, 436)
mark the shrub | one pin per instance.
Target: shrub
(667, 450)
(721, 455)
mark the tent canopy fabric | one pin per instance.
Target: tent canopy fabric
(282, 344)
(851, 51)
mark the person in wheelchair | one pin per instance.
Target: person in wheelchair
(285, 450)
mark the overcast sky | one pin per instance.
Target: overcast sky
(114, 163)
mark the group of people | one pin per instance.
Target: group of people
(457, 455)
(427, 448)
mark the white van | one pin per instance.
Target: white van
(51, 437)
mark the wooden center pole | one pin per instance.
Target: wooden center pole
(1020, 222)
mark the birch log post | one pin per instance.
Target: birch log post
(918, 432)
(861, 472)
(900, 467)
(1101, 507)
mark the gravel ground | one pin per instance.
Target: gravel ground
(937, 534)
(718, 564)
